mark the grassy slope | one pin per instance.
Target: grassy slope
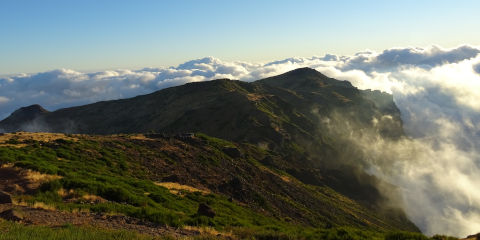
(14, 231)
(123, 169)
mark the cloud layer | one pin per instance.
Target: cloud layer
(436, 89)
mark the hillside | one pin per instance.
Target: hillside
(265, 153)
(265, 110)
(163, 180)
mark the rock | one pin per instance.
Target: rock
(205, 210)
(232, 152)
(12, 215)
(14, 189)
(473, 237)
(5, 198)
(171, 178)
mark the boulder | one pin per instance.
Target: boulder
(5, 198)
(205, 210)
(233, 152)
(12, 215)
(473, 237)
(171, 178)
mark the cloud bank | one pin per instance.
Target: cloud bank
(436, 89)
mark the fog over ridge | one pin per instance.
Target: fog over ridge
(437, 91)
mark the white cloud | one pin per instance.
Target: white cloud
(394, 58)
(4, 100)
(436, 89)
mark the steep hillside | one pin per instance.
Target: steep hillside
(164, 179)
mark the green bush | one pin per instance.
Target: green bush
(405, 236)
(51, 186)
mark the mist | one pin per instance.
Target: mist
(437, 177)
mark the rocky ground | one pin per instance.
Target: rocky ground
(20, 181)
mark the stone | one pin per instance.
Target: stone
(12, 215)
(5, 198)
(205, 210)
(233, 152)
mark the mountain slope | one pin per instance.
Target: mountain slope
(21, 116)
(133, 175)
(224, 108)
(289, 116)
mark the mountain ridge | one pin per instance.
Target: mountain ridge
(285, 116)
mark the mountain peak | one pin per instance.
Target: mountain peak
(23, 115)
(34, 107)
(304, 72)
(307, 79)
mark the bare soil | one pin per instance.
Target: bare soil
(15, 180)
(54, 218)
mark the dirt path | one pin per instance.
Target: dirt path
(15, 181)
(53, 218)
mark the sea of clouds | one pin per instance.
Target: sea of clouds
(437, 91)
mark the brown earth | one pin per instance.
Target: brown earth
(14, 180)
(54, 218)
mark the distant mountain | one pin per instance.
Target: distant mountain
(267, 110)
(296, 116)
(23, 115)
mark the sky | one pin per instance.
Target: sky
(92, 35)
(425, 53)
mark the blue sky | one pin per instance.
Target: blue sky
(96, 35)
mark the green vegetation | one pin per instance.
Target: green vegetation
(113, 168)
(99, 168)
(14, 231)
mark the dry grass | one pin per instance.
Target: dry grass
(34, 178)
(139, 137)
(19, 181)
(38, 205)
(7, 165)
(177, 188)
(26, 136)
(19, 145)
(37, 177)
(255, 97)
(64, 193)
(71, 195)
(42, 205)
(93, 198)
(341, 97)
(283, 177)
(210, 231)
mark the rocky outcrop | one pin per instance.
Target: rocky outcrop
(205, 210)
(472, 237)
(12, 215)
(5, 198)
